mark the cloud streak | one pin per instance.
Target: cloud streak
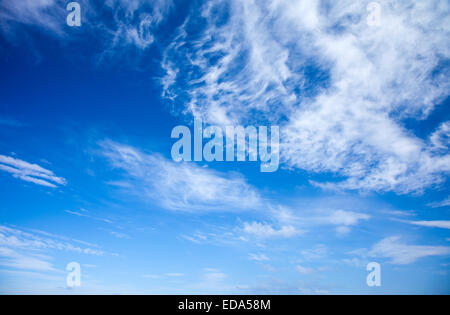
(180, 186)
(28, 172)
(432, 224)
(18, 239)
(402, 254)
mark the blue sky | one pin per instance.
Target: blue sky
(86, 175)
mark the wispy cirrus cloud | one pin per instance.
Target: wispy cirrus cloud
(304, 270)
(29, 172)
(135, 21)
(340, 220)
(258, 257)
(121, 24)
(441, 204)
(33, 250)
(339, 88)
(399, 253)
(318, 252)
(432, 224)
(15, 238)
(47, 14)
(85, 214)
(180, 186)
(12, 259)
(167, 275)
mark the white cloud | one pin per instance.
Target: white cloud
(28, 251)
(304, 270)
(403, 254)
(181, 186)
(346, 218)
(174, 275)
(250, 68)
(120, 235)
(151, 276)
(318, 252)
(378, 77)
(84, 214)
(18, 239)
(258, 257)
(344, 87)
(264, 230)
(160, 276)
(214, 276)
(47, 14)
(433, 224)
(342, 220)
(12, 259)
(442, 204)
(28, 172)
(440, 139)
(400, 213)
(133, 22)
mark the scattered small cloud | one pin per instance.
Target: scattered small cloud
(119, 235)
(258, 257)
(304, 270)
(318, 252)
